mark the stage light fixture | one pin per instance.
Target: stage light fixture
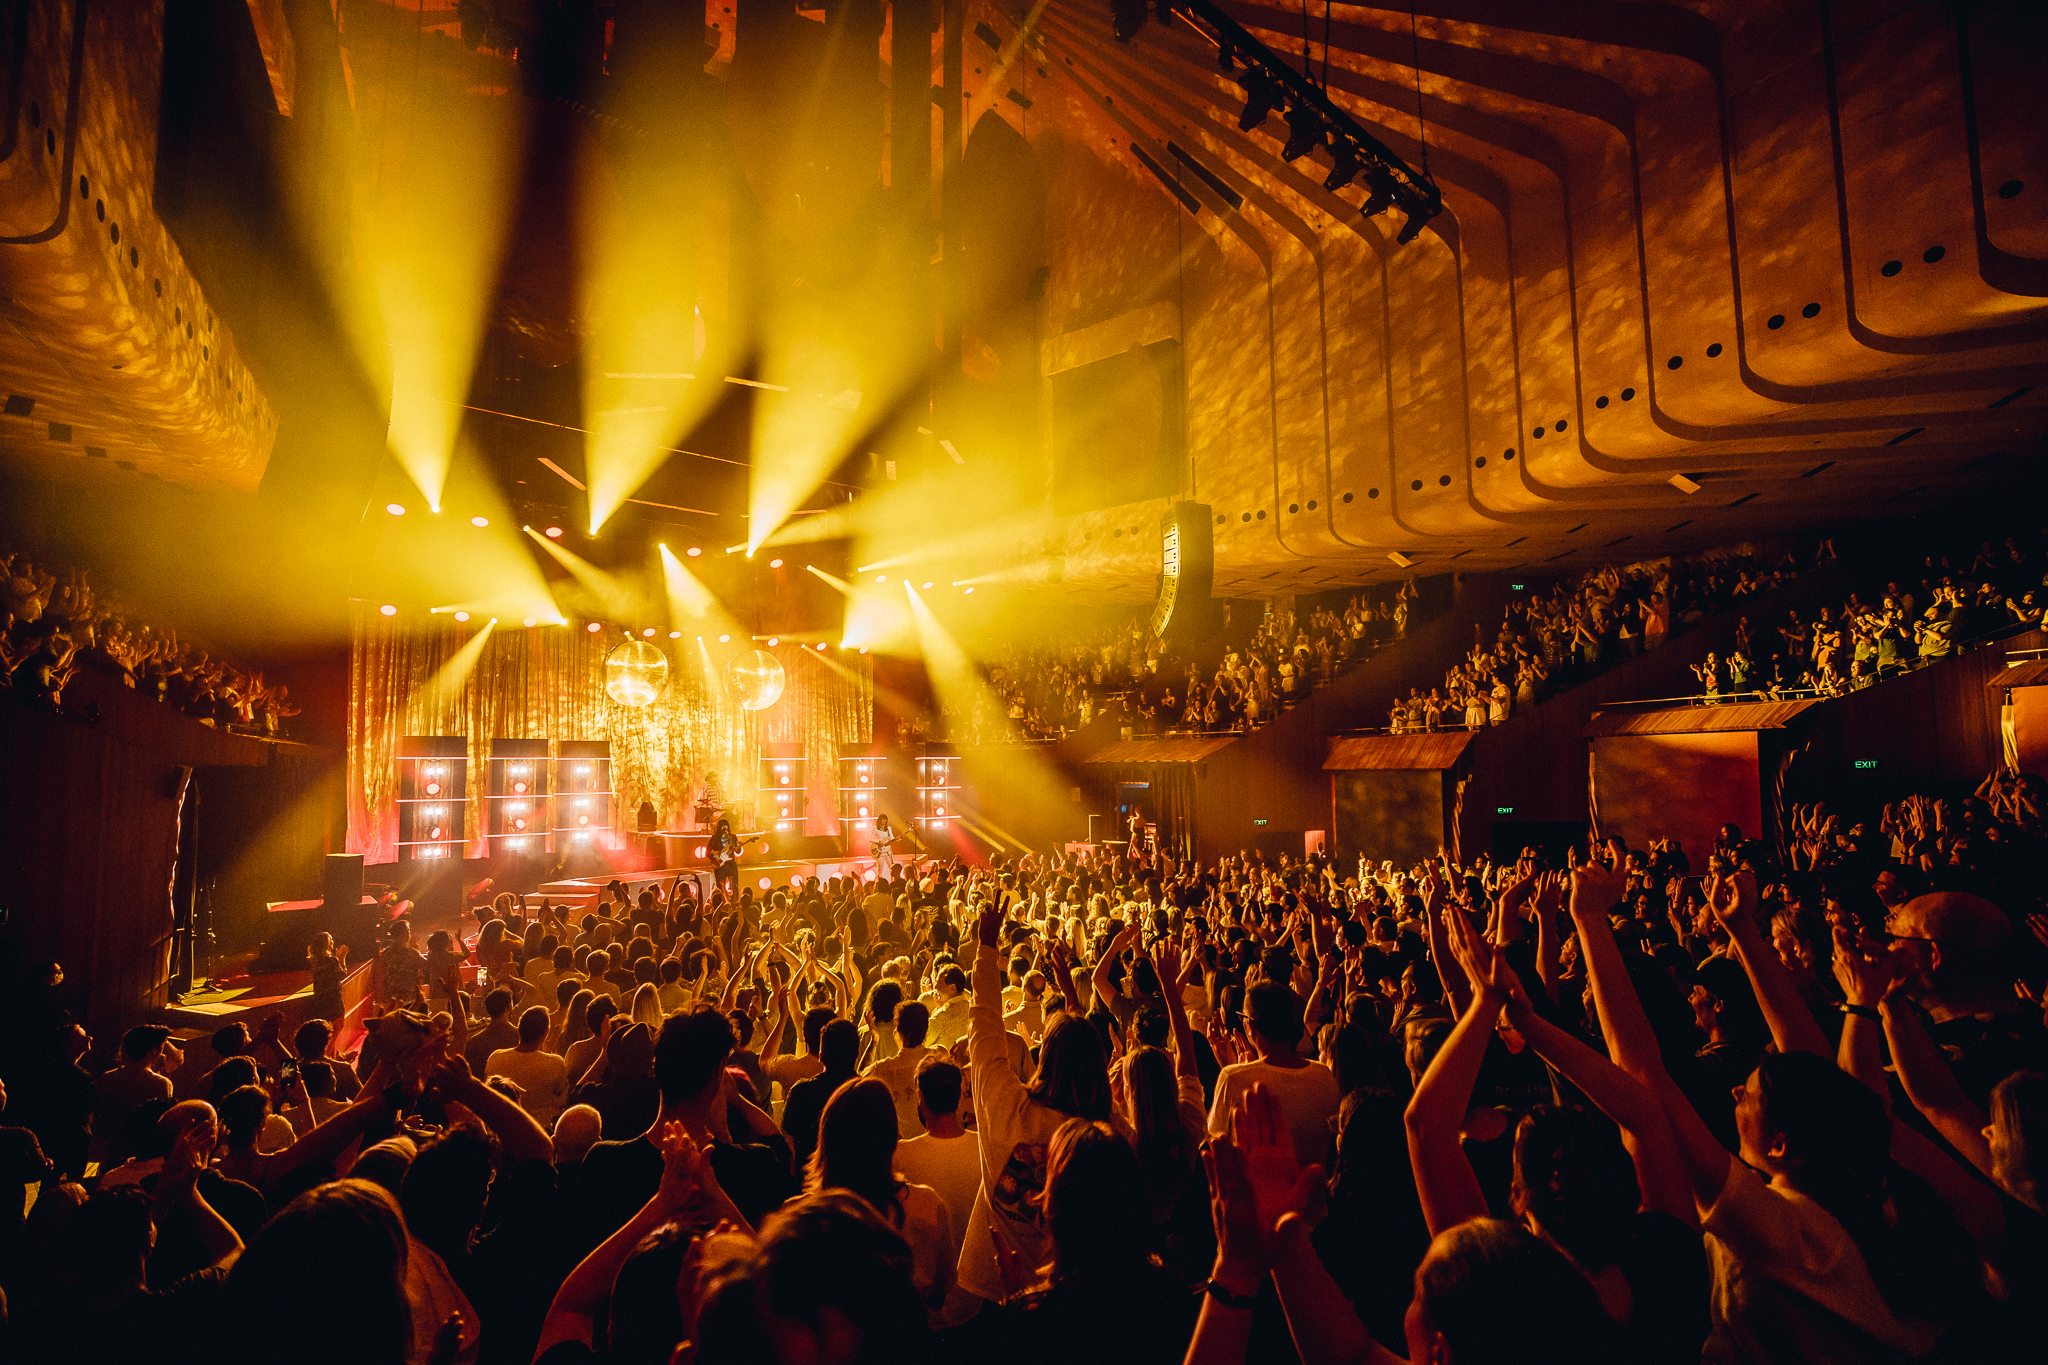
(767, 882)
(725, 639)
(396, 509)
(648, 633)
(881, 578)
(821, 646)
(1380, 197)
(388, 610)
(1305, 132)
(1411, 229)
(1344, 168)
(531, 621)
(774, 563)
(694, 551)
(1260, 95)
(553, 533)
(863, 649)
(593, 627)
(970, 592)
(479, 522)
(675, 635)
(774, 640)
(462, 616)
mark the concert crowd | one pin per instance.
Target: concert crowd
(1734, 1104)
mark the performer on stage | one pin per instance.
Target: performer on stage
(724, 850)
(881, 846)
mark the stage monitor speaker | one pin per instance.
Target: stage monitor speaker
(343, 888)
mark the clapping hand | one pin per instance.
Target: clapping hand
(1260, 1198)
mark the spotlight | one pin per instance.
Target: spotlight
(388, 610)
(881, 578)
(396, 509)
(1344, 170)
(593, 627)
(1411, 229)
(1305, 133)
(767, 882)
(675, 635)
(1260, 95)
(694, 551)
(648, 633)
(1381, 196)
(725, 639)
(927, 587)
(479, 521)
(863, 649)
(531, 621)
(462, 616)
(821, 646)
(774, 640)
(774, 563)
(553, 533)
(970, 592)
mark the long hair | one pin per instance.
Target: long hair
(2019, 1136)
(1073, 1070)
(339, 1243)
(1095, 1204)
(857, 1147)
(1166, 1152)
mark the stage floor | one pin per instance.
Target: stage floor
(583, 893)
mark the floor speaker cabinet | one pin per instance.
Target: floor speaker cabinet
(343, 886)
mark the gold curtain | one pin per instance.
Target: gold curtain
(548, 683)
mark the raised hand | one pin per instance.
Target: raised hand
(1865, 976)
(1596, 888)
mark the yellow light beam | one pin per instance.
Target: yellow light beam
(447, 682)
(618, 599)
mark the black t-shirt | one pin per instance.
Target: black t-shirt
(1141, 1320)
(1668, 1278)
(804, 1107)
(518, 1261)
(619, 1177)
(169, 1326)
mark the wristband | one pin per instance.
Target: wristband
(1242, 1302)
(1860, 1011)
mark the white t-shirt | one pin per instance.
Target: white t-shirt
(952, 1166)
(1307, 1094)
(543, 1077)
(899, 1073)
(1771, 1232)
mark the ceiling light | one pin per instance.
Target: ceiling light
(821, 646)
(388, 610)
(1305, 133)
(593, 627)
(774, 640)
(462, 616)
(725, 639)
(479, 521)
(396, 509)
(881, 578)
(927, 587)
(970, 592)
(531, 621)
(675, 635)
(553, 533)
(694, 551)
(774, 563)
(1260, 95)
(648, 633)
(863, 649)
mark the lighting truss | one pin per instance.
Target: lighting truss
(1270, 83)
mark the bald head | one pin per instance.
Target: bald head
(1963, 942)
(576, 1132)
(183, 1115)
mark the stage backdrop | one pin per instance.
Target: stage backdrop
(548, 683)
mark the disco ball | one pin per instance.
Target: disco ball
(755, 679)
(635, 673)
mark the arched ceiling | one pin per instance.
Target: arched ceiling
(1794, 253)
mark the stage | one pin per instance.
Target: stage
(581, 894)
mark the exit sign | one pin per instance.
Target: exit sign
(1866, 765)
(1258, 822)
(1503, 810)
(1516, 587)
